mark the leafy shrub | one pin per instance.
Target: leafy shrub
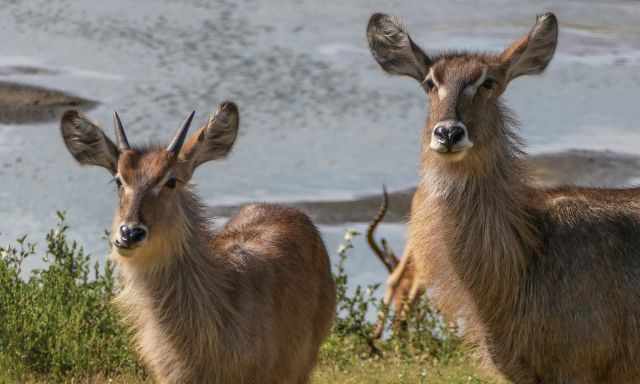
(58, 321)
(58, 324)
(425, 336)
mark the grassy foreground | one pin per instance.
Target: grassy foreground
(394, 370)
(57, 325)
(361, 372)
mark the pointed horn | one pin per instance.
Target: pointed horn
(121, 137)
(176, 143)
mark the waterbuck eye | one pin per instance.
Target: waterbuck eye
(489, 83)
(429, 84)
(171, 183)
(118, 182)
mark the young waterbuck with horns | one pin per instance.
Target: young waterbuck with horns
(548, 281)
(248, 304)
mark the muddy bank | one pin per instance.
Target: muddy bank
(23, 104)
(585, 168)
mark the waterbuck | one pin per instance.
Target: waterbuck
(547, 280)
(250, 303)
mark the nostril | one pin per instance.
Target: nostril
(456, 134)
(124, 231)
(137, 234)
(442, 134)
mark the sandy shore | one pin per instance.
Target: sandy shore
(585, 168)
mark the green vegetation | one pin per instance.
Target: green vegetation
(58, 325)
(58, 322)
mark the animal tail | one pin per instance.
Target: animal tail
(384, 253)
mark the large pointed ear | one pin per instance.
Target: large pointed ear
(214, 140)
(87, 143)
(532, 53)
(394, 50)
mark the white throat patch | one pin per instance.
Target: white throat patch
(441, 185)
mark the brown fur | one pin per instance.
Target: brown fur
(546, 281)
(248, 304)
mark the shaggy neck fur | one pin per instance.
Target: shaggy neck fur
(181, 297)
(481, 212)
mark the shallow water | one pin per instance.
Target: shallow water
(319, 119)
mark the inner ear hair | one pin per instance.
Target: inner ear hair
(215, 139)
(87, 143)
(393, 48)
(533, 52)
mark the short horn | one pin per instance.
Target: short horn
(176, 143)
(121, 137)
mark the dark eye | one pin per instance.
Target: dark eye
(171, 183)
(429, 84)
(118, 182)
(489, 84)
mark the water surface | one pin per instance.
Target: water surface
(319, 119)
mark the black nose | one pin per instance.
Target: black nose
(449, 135)
(131, 234)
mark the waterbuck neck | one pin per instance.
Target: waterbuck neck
(481, 210)
(190, 291)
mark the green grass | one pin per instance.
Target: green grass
(57, 324)
(398, 370)
(383, 371)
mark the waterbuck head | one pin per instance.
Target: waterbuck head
(151, 182)
(463, 88)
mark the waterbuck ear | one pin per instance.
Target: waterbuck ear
(393, 48)
(87, 143)
(214, 140)
(532, 53)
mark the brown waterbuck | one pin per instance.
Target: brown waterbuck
(547, 280)
(250, 303)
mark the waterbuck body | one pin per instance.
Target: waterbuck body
(547, 281)
(250, 303)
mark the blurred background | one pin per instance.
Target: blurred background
(320, 121)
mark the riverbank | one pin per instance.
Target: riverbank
(27, 104)
(575, 167)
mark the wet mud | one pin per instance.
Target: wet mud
(25, 104)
